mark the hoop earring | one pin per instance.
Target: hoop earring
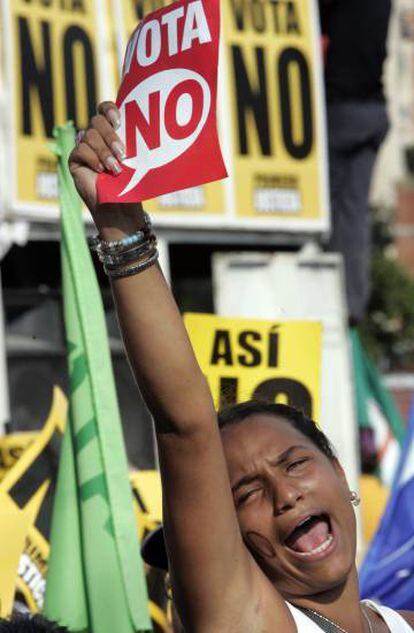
(355, 498)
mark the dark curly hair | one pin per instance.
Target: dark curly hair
(30, 624)
(296, 418)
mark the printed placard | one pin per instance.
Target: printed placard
(167, 102)
(247, 359)
(274, 82)
(24, 491)
(54, 52)
(201, 205)
(59, 62)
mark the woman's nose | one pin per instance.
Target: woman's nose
(286, 496)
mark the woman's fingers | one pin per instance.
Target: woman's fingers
(99, 145)
(103, 146)
(84, 165)
(101, 124)
(85, 156)
(97, 149)
(109, 110)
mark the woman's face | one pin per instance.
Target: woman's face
(293, 505)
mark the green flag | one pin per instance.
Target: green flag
(376, 410)
(95, 582)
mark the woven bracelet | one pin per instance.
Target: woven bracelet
(132, 270)
(120, 258)
(130, 257)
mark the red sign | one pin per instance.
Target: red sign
(167, 101)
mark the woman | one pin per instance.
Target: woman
(259, 524)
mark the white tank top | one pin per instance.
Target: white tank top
(393, 620)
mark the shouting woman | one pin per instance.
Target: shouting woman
(258, 515)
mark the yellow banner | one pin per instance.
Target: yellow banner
(266, 360)
(13, 529)
(12, 447)
(63, 56)
(24, 548)
(22, 494)
(272, 52)
(32, 569)
(53, 56)
(146, 491)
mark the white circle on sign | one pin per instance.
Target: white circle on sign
(161, 85)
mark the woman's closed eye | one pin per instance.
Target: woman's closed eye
(297, 464)
(248, 495)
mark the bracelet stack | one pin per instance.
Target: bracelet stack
(129, 256)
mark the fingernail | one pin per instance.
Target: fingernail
(114, 118)
(118, 149)
(113, 165)
(100, 167)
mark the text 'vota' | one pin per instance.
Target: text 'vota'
(180, 28)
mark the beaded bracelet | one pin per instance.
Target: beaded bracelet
(96, 243)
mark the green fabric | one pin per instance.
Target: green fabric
(95, 580)
(360, 380)
(368, 384)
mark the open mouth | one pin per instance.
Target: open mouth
(312, 537)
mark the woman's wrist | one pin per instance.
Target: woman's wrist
(115, 221)
(126, 244)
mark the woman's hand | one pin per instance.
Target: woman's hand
(100, 149)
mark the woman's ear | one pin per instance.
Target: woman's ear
(340, 471)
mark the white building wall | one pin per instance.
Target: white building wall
(399, 86)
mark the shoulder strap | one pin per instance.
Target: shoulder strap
(392, 619)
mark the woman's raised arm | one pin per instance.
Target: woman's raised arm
(211, 569)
